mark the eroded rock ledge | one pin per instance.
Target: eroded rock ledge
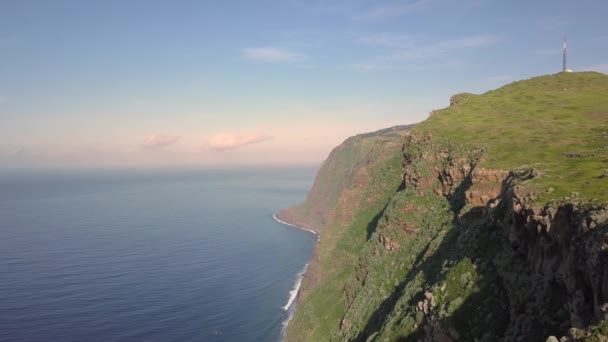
(474, 245)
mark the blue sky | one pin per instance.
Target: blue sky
(171, 83)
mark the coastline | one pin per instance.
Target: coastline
(292, 302)
(274, 216)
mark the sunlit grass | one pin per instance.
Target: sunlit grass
(537, 122)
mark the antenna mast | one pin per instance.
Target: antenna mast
(565, 61)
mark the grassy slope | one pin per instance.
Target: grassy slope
(360, 200)
(533, 122)
(335, 175)
(528, 123)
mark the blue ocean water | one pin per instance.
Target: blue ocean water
(157, 255)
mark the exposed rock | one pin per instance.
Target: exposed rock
(344, 324)
(453, 100)
(576, 333)
(555, 239)
(531, 269)
(388, 244)
(431, 299)
(560, 246)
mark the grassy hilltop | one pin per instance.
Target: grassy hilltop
(556, 123)
(484, 222)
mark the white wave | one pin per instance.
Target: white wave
(290, 307)
(296, 288)
(274, 216)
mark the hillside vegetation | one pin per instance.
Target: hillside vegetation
(485, 222)
(339, 173)
(556, 123)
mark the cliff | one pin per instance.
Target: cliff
(343, 170)
(486, 222)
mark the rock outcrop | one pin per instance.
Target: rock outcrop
(544, 271)
(489, 230)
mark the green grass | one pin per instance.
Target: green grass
(534, 123)
(378, 157)
(337, 172)
(597, 333)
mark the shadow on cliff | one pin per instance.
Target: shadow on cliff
(517, 295)
(373, 224)
(430, 265)
(379, 316)
(484, 312)
(487, 289)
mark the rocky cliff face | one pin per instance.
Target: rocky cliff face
(464, 246)
(525, 270)
(370, 169)
(345, 169)
(566, 248)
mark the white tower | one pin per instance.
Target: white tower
(565, 57)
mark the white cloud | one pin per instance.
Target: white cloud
(446, 46)
(391, 10)
(229, 141)
(387, 40)
(270, 54)
(416, 52)
(159, 141)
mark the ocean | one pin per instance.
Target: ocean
(149, 255)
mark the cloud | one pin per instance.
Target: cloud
(159, 141)
(270, 54)
(390, 10)
(443, 47)
(416, 52)
(229, 141)
(387, 39)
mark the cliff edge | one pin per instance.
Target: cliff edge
(345, 168)
(486, 222)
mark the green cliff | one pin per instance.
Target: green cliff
(486, 222)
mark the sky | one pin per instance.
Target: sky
(102, 84)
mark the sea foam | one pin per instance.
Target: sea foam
(296, 288)
(290, 307)
(274, 216)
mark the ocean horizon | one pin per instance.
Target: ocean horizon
(154, 255)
